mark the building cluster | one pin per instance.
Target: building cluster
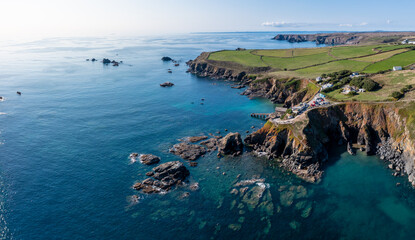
(407, 41)
(352, 89)
(318, 100)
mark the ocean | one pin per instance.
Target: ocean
(65, 142)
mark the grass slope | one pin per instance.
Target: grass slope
(403, 59)
(312, 62)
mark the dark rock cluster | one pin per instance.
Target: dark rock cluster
(163, 178)
(188, 151)
(231, 144)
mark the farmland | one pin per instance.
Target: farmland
(312, 62)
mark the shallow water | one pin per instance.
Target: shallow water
(65, 173)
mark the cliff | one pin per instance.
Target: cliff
(289, 91)
(345, 38)
(301, 147)
(203, 67)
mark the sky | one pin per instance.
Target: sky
(59, 18)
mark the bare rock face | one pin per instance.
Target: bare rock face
(149, 159)
(164, 177)
(196, 139)
(211, 144)
(231, 144)
(188, 151)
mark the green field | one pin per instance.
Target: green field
(242, 57)
(403, 59)
(312, 62)
(336, 66)
(380, 56)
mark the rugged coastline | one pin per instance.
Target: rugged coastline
(301, 147)
(287, 91)
(340, 38)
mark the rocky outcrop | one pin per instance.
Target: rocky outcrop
(211, 144)
(188, 151)
(344, 38)
(196, 139)
(166, 59)
(167, 84)
(301, 147)
(204, 67)
(149, 159)
(164, 177)
(290, 92)
(231, 144)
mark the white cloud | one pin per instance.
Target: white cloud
(353, 25)
(388, 21)
(281, 24)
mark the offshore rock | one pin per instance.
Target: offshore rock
(166, 59)
(188, 151)
(149, 159)
(167, 84)
(196, 139)
(164, 177)
(231, 144)
(211, 144)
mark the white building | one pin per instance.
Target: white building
(327, 85)
(318, 79)
(397, 68)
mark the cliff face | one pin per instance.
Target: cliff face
(290, 92)
(287, 91)
(328, 39)
(203, 67)
(345, 38)
(302, 146)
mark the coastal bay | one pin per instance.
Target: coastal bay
(76, 122)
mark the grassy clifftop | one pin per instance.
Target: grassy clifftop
(312, 62)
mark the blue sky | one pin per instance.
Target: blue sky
(142, 17)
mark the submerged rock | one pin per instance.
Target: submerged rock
(188, 151)
(149, 159)
(294, 225)
(231, 144)
(253, 196)
(287, 198)
(235, 226)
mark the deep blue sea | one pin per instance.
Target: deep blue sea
(65, 142)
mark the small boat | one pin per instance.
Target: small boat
(19, 93)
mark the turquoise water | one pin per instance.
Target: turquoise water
(64, 168)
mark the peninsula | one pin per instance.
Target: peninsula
(346, 37)
(362, 93)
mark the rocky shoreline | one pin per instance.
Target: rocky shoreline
(348, 38)
(302, 148)
(286, 91)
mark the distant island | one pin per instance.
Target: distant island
(360, 96)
